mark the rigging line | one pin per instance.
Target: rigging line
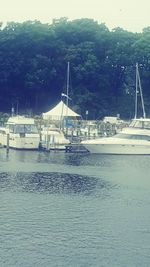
(141, 94)
(136, 92)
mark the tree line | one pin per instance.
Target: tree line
(33, 67)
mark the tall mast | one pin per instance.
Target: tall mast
(67, 88)
(136, 91)
(138, 83)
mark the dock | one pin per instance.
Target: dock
(75, 148)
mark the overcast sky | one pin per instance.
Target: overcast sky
(132, 15)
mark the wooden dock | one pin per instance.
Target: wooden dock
(75, 148)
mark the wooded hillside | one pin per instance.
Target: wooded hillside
(33, 67)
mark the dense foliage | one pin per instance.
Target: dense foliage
(33, 67)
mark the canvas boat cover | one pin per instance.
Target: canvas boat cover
(60, 111)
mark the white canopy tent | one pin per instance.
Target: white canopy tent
(59, 112)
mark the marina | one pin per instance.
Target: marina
(74, 134)
(72, 194)
(52, 137)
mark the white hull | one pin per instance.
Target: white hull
(17, 142)
(20, 133)
(50, 146)
(53, 139)
(125, 149)
(130, 141)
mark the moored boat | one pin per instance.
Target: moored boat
(134, 139)
(20, 133)
(52, 138)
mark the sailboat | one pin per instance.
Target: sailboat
(53, 138)
(134, 139)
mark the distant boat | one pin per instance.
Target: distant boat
(52, 138)
(20, 133)
(134, 139)
(113, 120)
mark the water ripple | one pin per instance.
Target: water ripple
(52, 183)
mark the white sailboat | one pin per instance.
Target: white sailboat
(20, 133)
(134, 139)
(53, 138)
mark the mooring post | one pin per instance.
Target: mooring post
(7, 146)
(47, 142)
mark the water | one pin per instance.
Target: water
(76, 210)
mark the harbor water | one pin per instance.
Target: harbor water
(62, 209)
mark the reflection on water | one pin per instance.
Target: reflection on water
(73, 159)
(56, 157)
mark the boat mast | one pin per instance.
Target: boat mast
(66, 95)
(136, 92)
(138, 82)
(67, 87)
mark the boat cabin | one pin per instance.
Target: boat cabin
(140, 123)
(21, 125)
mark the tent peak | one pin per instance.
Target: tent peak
(59, 111)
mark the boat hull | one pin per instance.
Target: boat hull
(20, 133)
(53, 139)
(17, 142)
(125, 149)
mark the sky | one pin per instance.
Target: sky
(131, 15)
